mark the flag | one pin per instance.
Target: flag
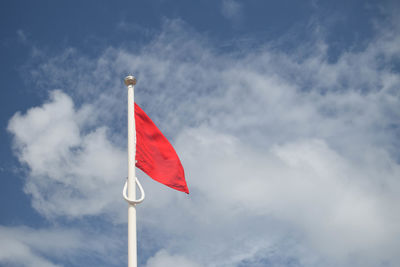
(155, 155)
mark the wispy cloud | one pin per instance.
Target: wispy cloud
(232, 10)
(22, 36)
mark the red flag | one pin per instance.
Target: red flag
(155, 155)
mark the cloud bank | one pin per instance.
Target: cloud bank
(54, 246)
(291, 159)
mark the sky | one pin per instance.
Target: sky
(285, 115)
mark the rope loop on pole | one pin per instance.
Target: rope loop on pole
(130, 201)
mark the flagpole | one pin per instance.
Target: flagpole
(130, 82)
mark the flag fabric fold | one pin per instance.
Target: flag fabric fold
(155, 155)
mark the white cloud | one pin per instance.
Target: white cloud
(287, 156)
(26, 247)
(253, 200)
(164, 259)
(72, 172)
(57, 246)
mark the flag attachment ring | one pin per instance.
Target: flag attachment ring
(130, 201)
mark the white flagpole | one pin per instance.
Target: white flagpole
(130, 82)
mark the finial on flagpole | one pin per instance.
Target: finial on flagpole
(130, 80)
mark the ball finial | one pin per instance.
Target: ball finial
(130, 80)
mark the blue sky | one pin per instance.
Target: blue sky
(285, 115)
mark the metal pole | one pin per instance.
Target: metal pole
(130, 82)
